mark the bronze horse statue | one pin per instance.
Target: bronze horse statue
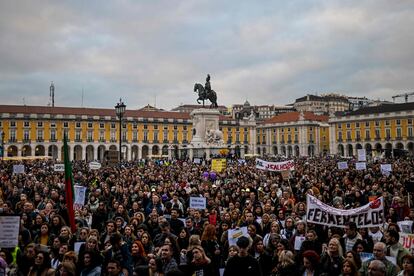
(205, 95)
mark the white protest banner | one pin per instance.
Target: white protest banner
(275, 166)
(198, 202)
(9, 231)
(343, 165)
(59, 167)
(18, 169)
(235, 234)
(80, 195)
(369, 215)
(197, 161)
(94, 165)
(407, 241)
(386, 169)
(405, 226)
(362, 156)
(360, 166)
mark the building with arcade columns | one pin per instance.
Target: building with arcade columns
(151, 133)
(39, 131)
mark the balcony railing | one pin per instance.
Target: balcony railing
(165, 141)
(102, 140)
(90, 140)
(135, 140)
(40, 140)
(175, 141)
(53, 140)
(78, 140)
(113, 140)
(339, 139)
(26, 141)
(155, 141)
(296, 141)
(12, 140)
(377, 138)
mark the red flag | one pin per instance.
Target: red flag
(69, 185)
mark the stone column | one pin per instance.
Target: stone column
(59, 152)
(83, 153)
(190, 153)
(71, 152)
(139, 152)
(333, 147)
(95, 152)
(317, 141)
(169, 153)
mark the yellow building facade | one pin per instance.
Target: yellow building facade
(293, 134)
(380, 130)
(39, 131)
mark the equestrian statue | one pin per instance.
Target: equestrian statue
(206, 93)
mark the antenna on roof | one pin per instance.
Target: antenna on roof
(52, 94)
(24, 102)
(82, 98)
(155, 100)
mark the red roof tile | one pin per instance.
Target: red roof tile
(294, 117)
(78, 111)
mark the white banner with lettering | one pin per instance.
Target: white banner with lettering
(369, 215)
(275, 166)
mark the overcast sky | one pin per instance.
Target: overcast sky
(268, 52)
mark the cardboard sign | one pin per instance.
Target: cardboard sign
(9, 231)
(95, 165)
(342, 165)
(360, 166)
(17, 169)
(405, 226)
(198, 203)
(80, 195)
(235, 234)
(362, 155)
(365, 256)
(218, 165)
(298, 242)
(285, 175)
(386, 169)
(59, 167)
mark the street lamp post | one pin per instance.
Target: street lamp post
(2, 145)
(120, 110)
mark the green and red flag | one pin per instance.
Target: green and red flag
(69, 185)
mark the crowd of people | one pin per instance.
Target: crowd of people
(137, 220)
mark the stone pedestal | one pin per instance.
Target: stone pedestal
(207, 137)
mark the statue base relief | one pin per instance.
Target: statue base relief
(207, 137)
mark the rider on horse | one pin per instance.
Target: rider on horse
(207, 87)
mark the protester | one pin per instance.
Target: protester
(148, 202)
(242, 263)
